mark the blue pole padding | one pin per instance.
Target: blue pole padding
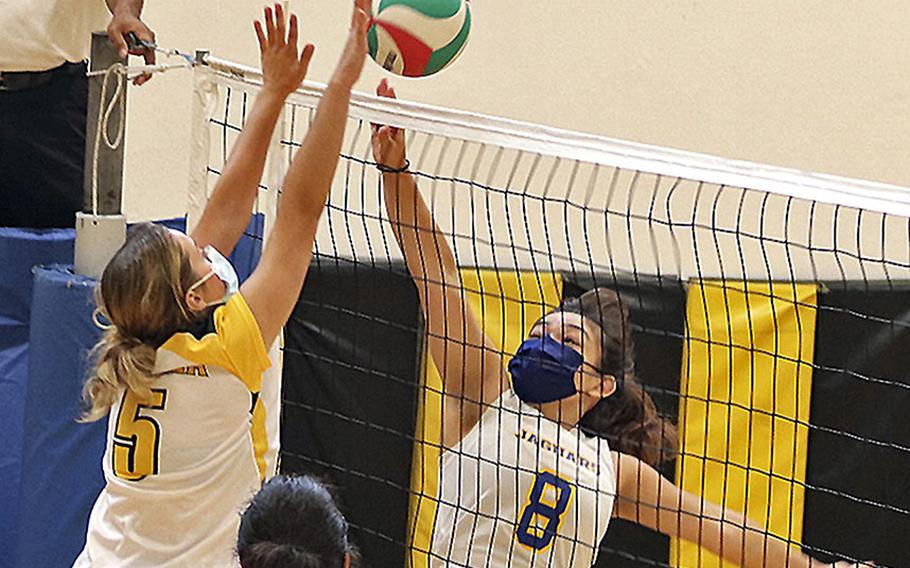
(61, 466)
(20, 250)
(245, 256)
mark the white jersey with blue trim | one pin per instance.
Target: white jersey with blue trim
(522, 491)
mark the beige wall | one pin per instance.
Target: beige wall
(816, 85)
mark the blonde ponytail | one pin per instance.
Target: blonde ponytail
(119, 361)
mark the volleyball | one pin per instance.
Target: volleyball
(417, 38)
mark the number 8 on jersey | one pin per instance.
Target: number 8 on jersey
(548, 502)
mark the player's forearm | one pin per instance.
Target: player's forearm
(287, 255)
(235, 193)
(309, 177)
(647, 498)
(133, 7)
(426, 250)
(763, 549)
(746, 543)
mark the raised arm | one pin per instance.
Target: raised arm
(272, 290)
(647, 498)
(470, 364)
(228, 211)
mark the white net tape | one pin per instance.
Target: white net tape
(639, 208)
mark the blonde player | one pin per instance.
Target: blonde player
(528, 477)
(179, 371)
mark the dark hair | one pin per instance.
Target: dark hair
(293, 522)
(628, 418)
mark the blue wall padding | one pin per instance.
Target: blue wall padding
(20, 250)
(61, 462)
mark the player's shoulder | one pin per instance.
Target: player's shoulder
(233, 312)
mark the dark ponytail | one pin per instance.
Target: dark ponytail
(628, 418)
(293, 522)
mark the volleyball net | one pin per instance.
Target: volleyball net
(770, 311)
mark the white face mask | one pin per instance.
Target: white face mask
(224, 270)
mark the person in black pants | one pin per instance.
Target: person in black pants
(43, 97)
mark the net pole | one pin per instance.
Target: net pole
(101, 225)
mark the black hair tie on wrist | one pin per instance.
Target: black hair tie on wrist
(390, 170)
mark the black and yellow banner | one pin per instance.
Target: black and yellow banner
(745, 391)
(791, 405)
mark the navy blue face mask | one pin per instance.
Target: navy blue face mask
(543, 370)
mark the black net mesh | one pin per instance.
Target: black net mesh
(769, 325)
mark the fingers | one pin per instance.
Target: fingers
(260, 35)
(293, 33)
(116, 36)
(305, 56)
(276, 31)
(360, 21)
(280, 25)
(149, 56)
(361, 16)
(307, 53)
(383, 132)
(359, 24)
(364, 23)
(118, 29)
(145, 34)
(363, 5)
(270, 29)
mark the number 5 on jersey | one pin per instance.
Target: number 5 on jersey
(137, 437)
(548, 502)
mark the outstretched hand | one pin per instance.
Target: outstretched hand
(283, 69)
(388, 141)
(355, 49)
